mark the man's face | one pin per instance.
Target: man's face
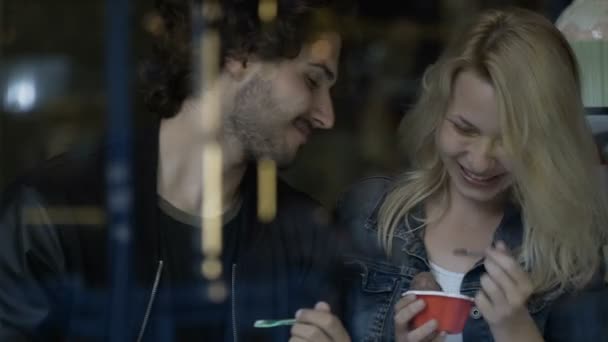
(277, 105)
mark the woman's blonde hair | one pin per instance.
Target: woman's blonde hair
(556, 172)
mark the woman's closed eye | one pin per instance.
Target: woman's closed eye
(463, 128)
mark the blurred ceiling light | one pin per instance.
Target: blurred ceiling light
(217, 291)
(211, 210)
(64, 215)
(29, 83)
(267, 190)
(211, 10)
(267, 10)
(20, 96)
(212, 268)
(153, 24)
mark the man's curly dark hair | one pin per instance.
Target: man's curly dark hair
(167, 77)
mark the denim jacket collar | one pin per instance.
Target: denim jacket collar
(510, 231)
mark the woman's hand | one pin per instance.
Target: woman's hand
(405, 309)
(318, 324)
(505, 290)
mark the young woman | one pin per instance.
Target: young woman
(503, 166)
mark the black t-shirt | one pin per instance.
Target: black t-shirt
(194, 315)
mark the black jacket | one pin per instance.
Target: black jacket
(55, 279)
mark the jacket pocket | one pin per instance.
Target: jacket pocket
(378, 282)
(371, 299)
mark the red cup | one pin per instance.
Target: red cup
(449, 310)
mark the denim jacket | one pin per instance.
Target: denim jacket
(375, 282)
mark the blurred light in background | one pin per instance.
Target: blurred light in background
(20, 95)
(29, 83)
(585, 25)
(267, 190)
(153, 23)
(267, 10)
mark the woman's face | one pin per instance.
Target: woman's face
(469, 141)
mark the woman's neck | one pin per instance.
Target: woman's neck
(451, 213)
(455, 223)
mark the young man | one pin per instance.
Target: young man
(274, 91)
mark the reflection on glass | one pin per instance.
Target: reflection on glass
(20, 95)
(28, 83)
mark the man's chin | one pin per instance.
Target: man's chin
(282, 160)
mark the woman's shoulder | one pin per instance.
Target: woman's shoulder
(356, 213)
(357, 209)
(363, 197)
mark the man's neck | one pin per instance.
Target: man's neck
(180, 166)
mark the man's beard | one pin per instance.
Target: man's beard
(258, 124)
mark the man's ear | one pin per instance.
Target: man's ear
(236, 67)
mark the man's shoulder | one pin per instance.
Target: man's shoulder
(362, 196)
(78, 171)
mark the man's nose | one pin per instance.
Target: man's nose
(323, 111)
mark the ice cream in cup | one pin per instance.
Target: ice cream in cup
(424, 281)
(449, 310)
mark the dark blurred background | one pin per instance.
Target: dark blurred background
(52, 81)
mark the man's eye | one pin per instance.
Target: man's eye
(311, 82)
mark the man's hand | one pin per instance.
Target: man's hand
(318, 324)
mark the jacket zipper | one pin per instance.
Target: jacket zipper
(159, 271)
(233, 296)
